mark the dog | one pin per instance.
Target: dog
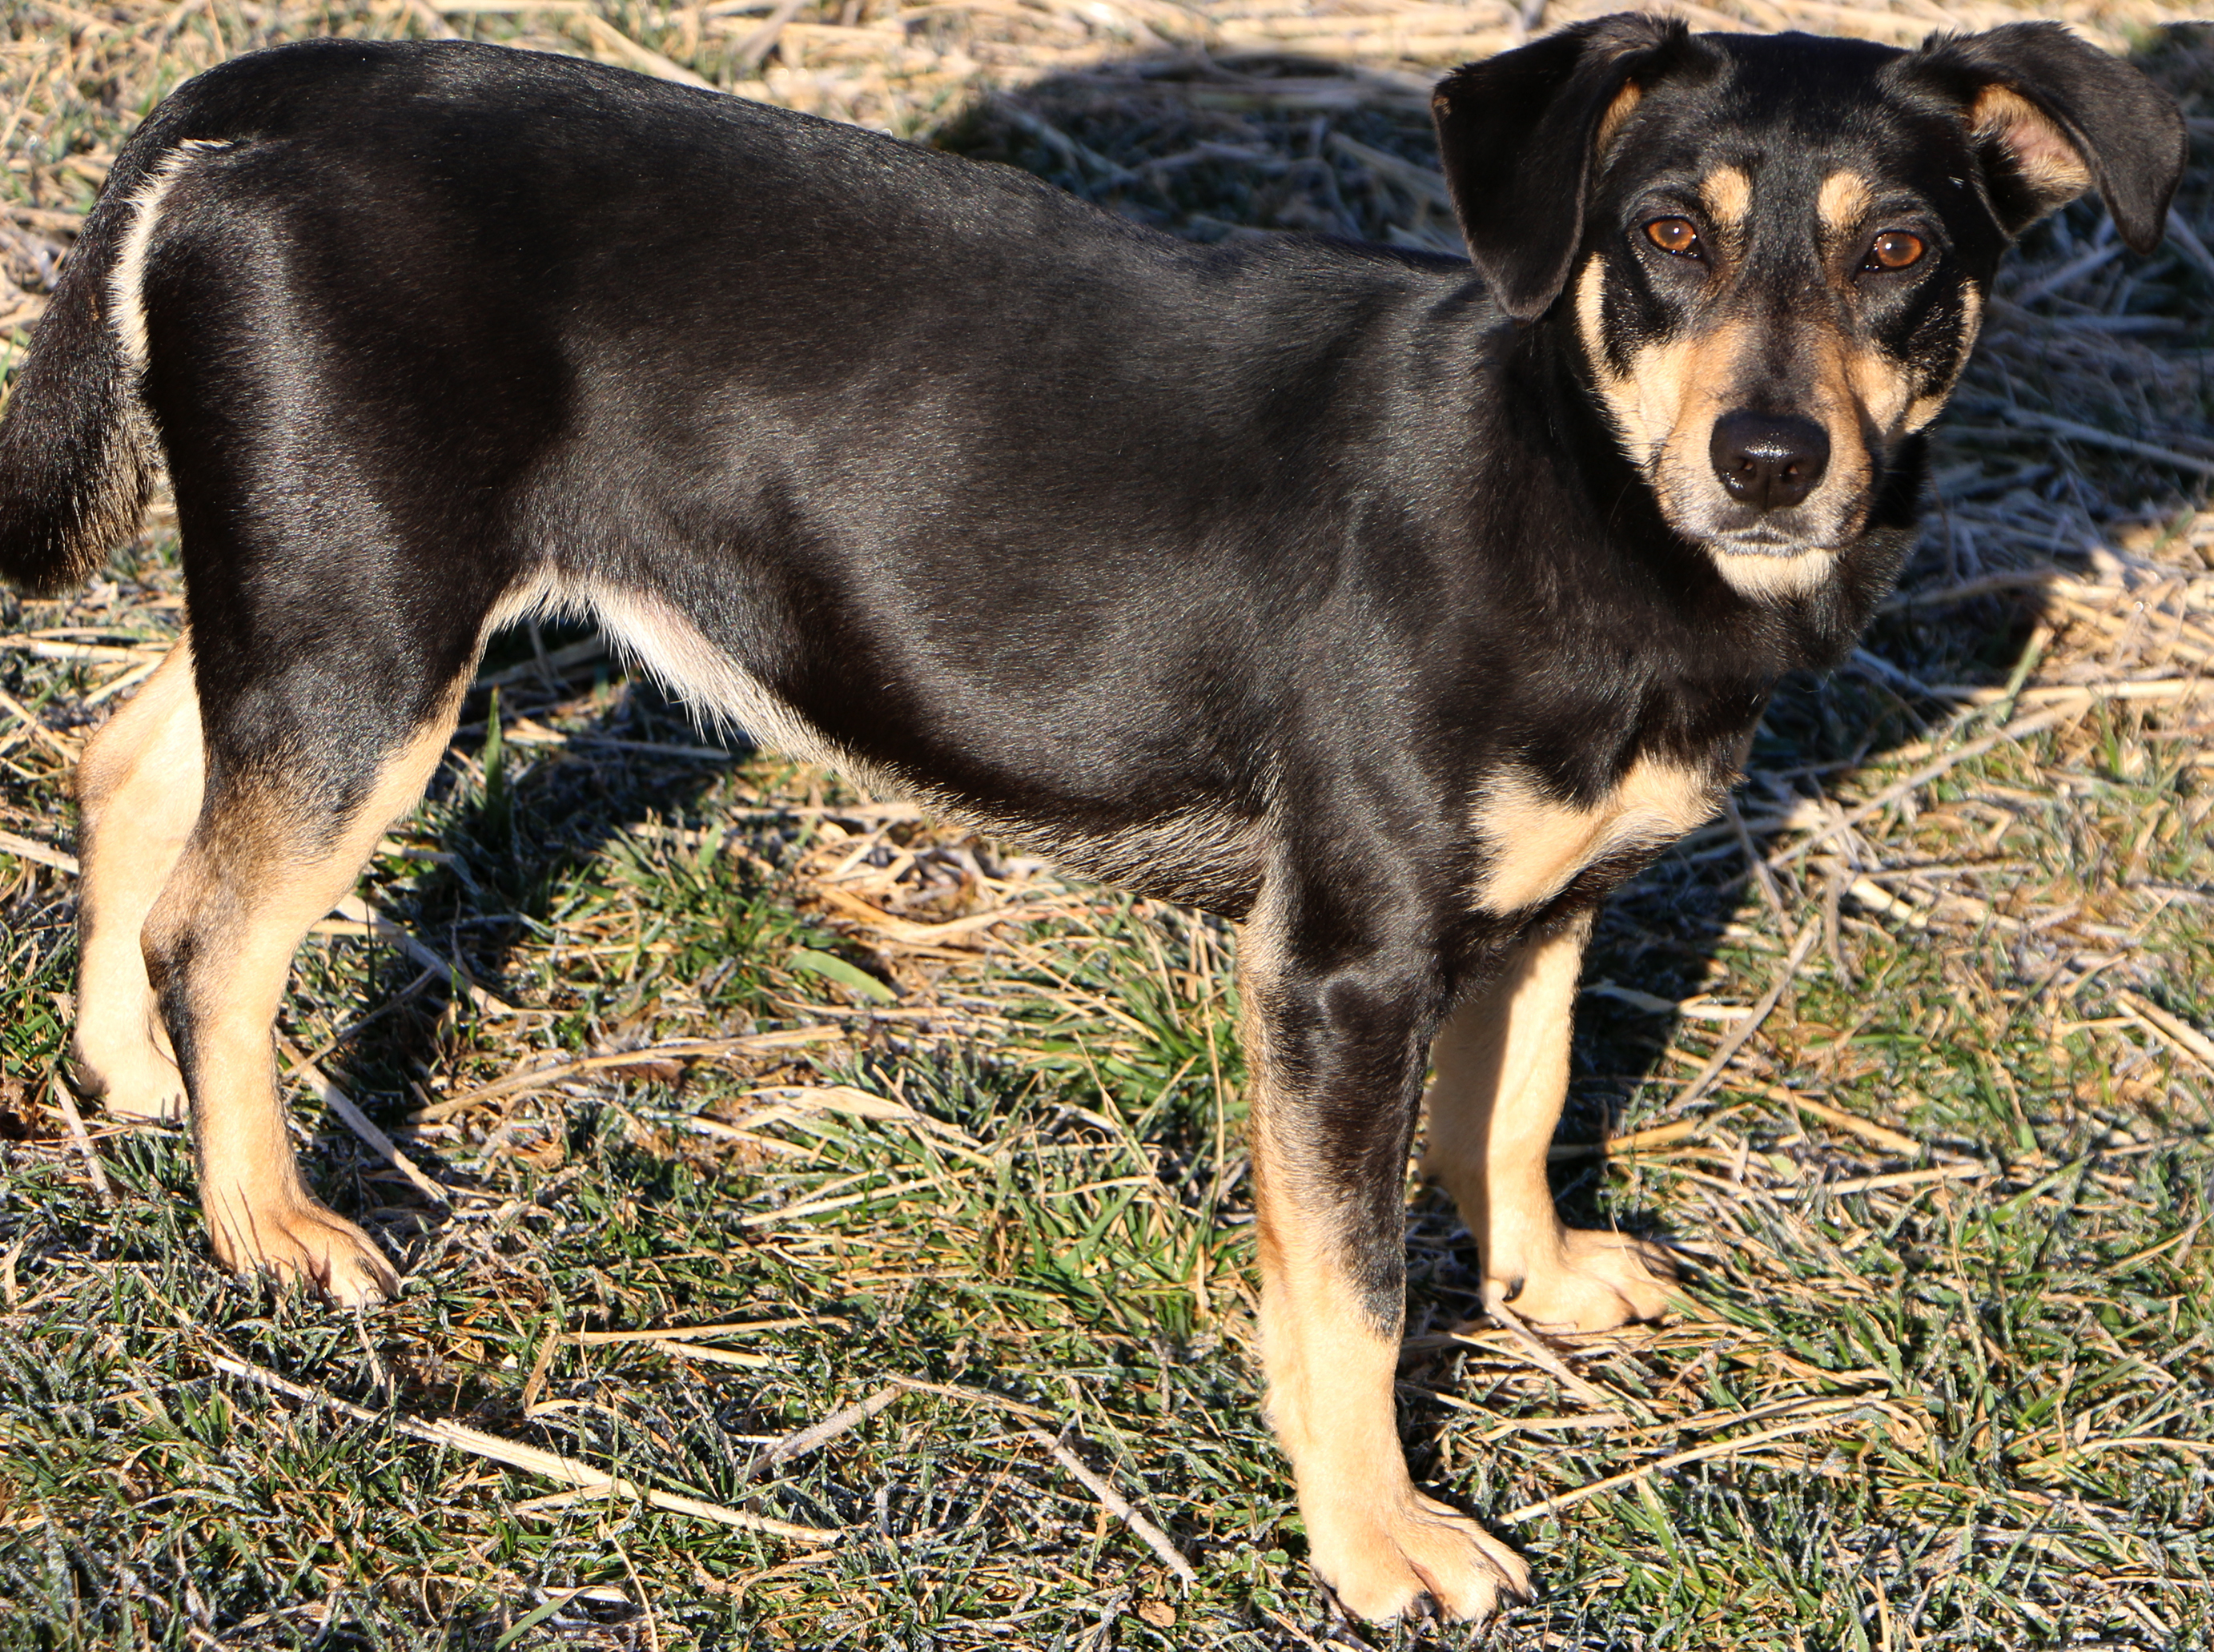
(1395, 609)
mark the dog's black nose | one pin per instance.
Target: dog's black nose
(1769, 460)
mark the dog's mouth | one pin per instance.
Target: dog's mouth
(1765, 487)
(1762, 561)
(1761, 540)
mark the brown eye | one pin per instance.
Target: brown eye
(1894, 249)
(1676, 235)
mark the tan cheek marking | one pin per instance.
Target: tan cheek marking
(1650, 403)
(1880, 384)
(1684, 388)
(1924, 408)
(1539, 844)
(1624, 394)
(2043, 152)
(1662, 379)
(1727, 194)
(1591, 316)
(1843, 204)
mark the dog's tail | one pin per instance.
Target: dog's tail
(77, 452)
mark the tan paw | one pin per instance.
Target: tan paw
(130, 1079)
(1381, 1562)
(300, 1241)
(1595, 1281)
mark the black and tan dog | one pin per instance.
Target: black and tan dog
(1396, 609)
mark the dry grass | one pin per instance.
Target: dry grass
(793, 1161)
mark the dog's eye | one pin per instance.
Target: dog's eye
(1894, 249)
(1676, 235)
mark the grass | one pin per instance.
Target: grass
(1946, 1198)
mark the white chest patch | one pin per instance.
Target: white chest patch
(1537, 844)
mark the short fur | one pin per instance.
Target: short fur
(1395, 610)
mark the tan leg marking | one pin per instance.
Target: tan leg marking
(139, 793)
(1376, 1540)
(234, 912)
(1502, 1071)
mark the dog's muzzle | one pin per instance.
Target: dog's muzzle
(1770, 462)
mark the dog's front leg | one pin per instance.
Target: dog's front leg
(1335, 1055)
(1502, 1073)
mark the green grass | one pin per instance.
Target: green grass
(1946, 1204)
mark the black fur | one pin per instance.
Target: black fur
(2130, 132)
(1516, 134)
(1236, 573)
(75, 477)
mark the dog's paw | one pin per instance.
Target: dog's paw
(1380, 1561)
(298, 1241)
(130, 1079)
(1592, 1281)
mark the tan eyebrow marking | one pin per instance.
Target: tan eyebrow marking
(1727, 194)
(1844, 200)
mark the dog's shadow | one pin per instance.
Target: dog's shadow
(570, 779)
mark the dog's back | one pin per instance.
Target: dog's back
(1286, 579)
(958, 448)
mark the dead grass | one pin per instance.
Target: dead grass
(795, 1162)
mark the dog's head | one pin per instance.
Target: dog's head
(1772, 251)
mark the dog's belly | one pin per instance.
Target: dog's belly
(1209, 858)
(1206, 854)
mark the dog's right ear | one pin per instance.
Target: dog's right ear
(2051, 116)
(1519, 135)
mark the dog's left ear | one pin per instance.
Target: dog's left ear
(2051, 116)
(1520, 134)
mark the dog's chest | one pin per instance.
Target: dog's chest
(1534, 844)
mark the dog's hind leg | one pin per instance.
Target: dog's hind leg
(1502, 1073)
(307, 764)
(139, 792)
(1335, 1053)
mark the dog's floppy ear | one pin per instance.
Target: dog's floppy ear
(2051, 116)
(1520, 133)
